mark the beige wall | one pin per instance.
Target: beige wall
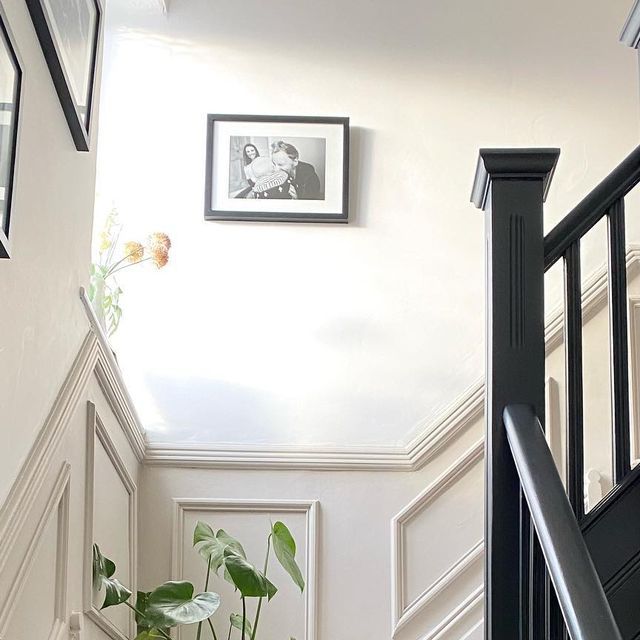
(42, 323)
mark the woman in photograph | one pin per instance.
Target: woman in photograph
(249, 154)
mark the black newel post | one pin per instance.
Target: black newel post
(510, 187)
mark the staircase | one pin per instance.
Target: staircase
(552, 571)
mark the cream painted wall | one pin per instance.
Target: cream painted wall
(353, 591)
(334, 335)
(42, 324)
(46, 533)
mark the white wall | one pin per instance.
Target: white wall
(354, 567)
(42, 324)
(339, 335)
(77, 486)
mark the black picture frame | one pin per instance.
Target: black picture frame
(10, 120)
(78, 115)
(325, 138)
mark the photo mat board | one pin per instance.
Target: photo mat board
(10, 96)
(277, 168)
(68, 31)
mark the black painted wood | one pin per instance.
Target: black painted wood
(612, 530)
(592, 208)
(584, 606)
(619, 342)
(510, 186)
(573, 372)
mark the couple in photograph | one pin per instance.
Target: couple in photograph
(282, 175)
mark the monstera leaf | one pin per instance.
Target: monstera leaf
(285, 548)
(236, 621)
(103, 570)
(250, 582)
(173, 603)
(211, 545)
(150, 634)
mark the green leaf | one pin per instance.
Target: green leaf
(103, 570)
(142, 600)
(236, 621)
(251, 582)
(149, 634)
(285, 548)
(212, 546)
(173, 603)
(208, 546)
(229, 541)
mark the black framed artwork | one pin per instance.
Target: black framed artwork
(10, 96)
(277, 168)
(68, 31)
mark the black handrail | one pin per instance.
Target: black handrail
(592, 208)
(584, 604)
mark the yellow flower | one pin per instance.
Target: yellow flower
(159, 255)
(105, 241)
(133, 251)
(160, 238)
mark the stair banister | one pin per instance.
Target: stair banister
(582, 599)
(510, 187)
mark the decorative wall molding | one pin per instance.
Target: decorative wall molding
(33, 473)
(630, 34)
(310, 508)
(57, 505)
(98, 434)
(401, 610)
(94, 356)
(113, 386)
(455, 616)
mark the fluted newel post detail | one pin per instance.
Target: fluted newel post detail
(510, 187)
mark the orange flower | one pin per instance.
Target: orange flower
(159, 255)
(160, 238)
(133, 251)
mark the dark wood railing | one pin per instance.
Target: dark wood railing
(510, 186)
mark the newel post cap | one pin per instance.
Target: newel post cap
(526, 164)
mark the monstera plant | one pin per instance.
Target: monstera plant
(174, 604)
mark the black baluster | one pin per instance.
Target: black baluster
(619, 348)
(573, 372)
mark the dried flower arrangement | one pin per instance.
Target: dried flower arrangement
(104, 291)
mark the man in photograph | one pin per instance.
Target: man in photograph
(304, 179)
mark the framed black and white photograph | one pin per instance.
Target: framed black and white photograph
(68, 31)
(277, 168)
(10, 94)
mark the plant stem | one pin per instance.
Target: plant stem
(213, 631)
(244, 615)
(206, 586)
(266, 564)
(160, 631)
(229, 634)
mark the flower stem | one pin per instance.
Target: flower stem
(126, 266)
(229, 634)
(266, 564)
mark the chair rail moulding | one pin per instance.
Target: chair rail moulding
(309, 508)
(630, 34)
